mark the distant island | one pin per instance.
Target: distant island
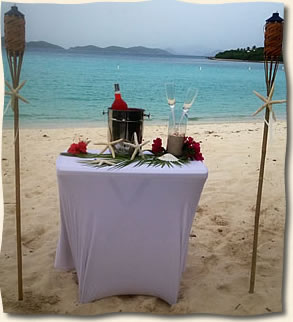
(247, 54)
(138, 50)
(90, 49)
(42, 45)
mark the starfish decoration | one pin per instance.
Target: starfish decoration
(268, 102)
(102, 162)
(14, 93)
(109, 145)
(137, 147)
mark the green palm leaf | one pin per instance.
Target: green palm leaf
(122, 161)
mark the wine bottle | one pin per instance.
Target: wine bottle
(118, 103)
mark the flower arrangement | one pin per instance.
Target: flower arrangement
(191, 149)
(78, 148)
(157, 156)
(157, 147)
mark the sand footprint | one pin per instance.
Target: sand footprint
(211, 261)
(219, 220)
(32, 194)
(223, 287)
(31, 239)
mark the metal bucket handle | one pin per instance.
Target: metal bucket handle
(144, 114)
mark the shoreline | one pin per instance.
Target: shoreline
(147, 123)
(239, 60)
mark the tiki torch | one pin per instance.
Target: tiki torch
(272, 54)
(14, 34)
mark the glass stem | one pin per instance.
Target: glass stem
(173, 115)
(181, 118)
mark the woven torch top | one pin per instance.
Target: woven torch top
(273, 37)
(275, 18)
(14, 31)
(14, 12)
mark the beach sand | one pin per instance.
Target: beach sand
(216, 279)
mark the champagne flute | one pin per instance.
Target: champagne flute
(170, 93)
(190, 97)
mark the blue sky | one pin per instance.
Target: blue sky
(183, 28)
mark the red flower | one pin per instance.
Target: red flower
(157, 146)
(191, 149)
(82, 146)
(78, 148)
(73, 149)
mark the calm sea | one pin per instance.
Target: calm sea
(74, 90)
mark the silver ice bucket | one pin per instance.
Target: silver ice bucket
(122, 124)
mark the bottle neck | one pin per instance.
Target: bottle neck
(118, 95)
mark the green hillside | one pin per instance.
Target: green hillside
(250, 54)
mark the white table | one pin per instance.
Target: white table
(126, 231)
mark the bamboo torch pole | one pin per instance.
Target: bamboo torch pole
(272, 54)
(14, 30)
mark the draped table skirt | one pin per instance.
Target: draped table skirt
(126, 231)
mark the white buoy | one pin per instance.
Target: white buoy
(199, 67)
(118, 67)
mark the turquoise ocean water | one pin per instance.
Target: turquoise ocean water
(74, 90)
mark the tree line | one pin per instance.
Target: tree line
(254, 54)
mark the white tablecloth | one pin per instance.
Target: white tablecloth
(126, 231)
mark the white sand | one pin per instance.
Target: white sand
(216, 279)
